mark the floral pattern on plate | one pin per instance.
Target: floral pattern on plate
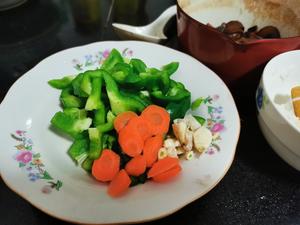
(30, 162)
(214, 121)
(89, 61)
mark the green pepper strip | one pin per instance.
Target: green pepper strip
(118, 102)
(113, 58)
(87, 164)
(95, 143)
(69, 124)
(61, 83)
(79, 149)
(94, 100)
(70, 101)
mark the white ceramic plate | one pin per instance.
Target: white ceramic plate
(34, 162)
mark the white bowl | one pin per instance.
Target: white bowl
(275, 110)
(281, 149)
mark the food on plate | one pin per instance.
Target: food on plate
(119, 117)
(190, 138)
(236, 31)
(120, 184)
(106, 167)
(152, 146)
(123, 119)
(136, 166)
(164, 169)
(295, 92)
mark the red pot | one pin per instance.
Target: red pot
(230, 60)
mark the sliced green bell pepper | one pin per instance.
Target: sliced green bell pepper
(79, 150)
(94, 100)
(113, 58)
(70, 125)
(170, 68)
(61, 83)
(95, 143)
(69, 100)
(118, 102)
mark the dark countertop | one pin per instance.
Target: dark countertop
(259, 188)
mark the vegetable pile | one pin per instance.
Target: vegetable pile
(118, 116)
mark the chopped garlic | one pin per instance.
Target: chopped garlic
(177, 143)
(170, 143)
(188, 141)
(180, 150)
(172, 152)
(189, 155)
(191, 122)
(191, 138)
(162, 153)
(179, 129)
(202, 139)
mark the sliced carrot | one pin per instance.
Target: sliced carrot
(151, 148)
(168, 175)
(158, 117)
(136, 166)
(106, 166)
(130, 141)
(119, 185)
(162, 166)
(141, 126)
(122, 119)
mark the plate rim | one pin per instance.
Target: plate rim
(162, 215)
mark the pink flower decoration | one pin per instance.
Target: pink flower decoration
(105, 54)
(19, 132)
(24, 157)
(217, 127)
(210, 151)
(130, 52)
(216, 97)
(46, 189)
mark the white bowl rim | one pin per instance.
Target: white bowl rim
(266, 87)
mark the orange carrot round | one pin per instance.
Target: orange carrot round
(136, 166)
(162, 166)
(158, 117)
(119, 185)
(141, 126)
(168, 175)
(106, 166)
(122, 119)
(151, 148)
(130, 141)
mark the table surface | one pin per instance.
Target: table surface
(259, 188)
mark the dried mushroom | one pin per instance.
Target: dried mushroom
(268, 32)
(235, 30)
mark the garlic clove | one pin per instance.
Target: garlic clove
(179, 130)
(192, 123)
(202, 138)
(172, 152)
